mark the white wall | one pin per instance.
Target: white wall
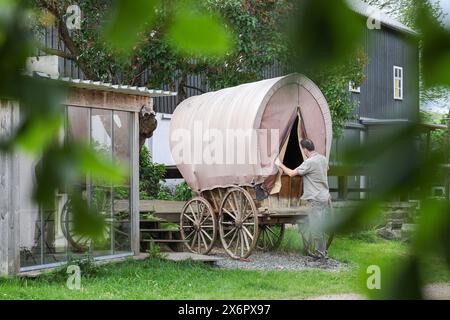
(46, 64)
(159, 145)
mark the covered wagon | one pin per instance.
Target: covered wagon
(225, 144)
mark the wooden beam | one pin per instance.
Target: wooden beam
(135, 233)
(342, 188)
(9, 194)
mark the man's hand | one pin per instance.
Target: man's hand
(278, 162)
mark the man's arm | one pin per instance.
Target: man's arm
(291, 173)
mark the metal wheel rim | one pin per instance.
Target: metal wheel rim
(270, 236)
(198, 228)
(238, 232)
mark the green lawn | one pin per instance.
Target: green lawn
(155, 279)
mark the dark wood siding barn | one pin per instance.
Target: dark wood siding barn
(387, 48)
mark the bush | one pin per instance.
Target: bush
(183, 192)
(150, 175)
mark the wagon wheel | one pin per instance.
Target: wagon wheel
(270, 236)
(77, 242)
(238, 223)
(81, 243)
(198, 225)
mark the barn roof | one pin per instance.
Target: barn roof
(367, 10)
(99, 85)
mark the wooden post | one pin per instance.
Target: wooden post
(9, 195)
(135, 217)
(342, 187)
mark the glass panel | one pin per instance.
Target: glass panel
(122, 220)
(101, 201)
(122, 151)
(78, 122)
(101, 193)
(30, 220)
(54, 241)
(78, 129)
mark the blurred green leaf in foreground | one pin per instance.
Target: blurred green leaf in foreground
(61, 165)
(323, 34)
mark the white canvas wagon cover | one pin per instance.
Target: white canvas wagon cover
(233, 136)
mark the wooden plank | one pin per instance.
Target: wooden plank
(9, 194)
(135, 233)
(296, 191)
(161, 206)
(284, 195)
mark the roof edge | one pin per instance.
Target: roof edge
(103, 86)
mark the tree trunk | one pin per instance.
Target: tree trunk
(147, 125)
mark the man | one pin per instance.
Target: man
(315, 192)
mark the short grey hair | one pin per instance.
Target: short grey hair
(308, 145)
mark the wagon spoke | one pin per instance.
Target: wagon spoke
(271, 231)
(206, 234)
(248, 232)
(246, 239)
(193, 214)
(237, 204)
(238, 240)
(230, 214)
(204, 240)
(190, 234)
(232, 238)
(194, 239)
(185, 215)
(233, 208)
(245, 210)
(206, 218)
(270, 239)
(228, 233)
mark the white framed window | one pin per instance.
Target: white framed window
(398, 83)
(353, 88)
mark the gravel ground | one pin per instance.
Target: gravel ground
(270, 261)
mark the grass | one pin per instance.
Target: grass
(158, 279)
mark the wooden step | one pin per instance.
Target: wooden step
(160, 230)
(164, 240)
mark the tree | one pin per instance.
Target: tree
(256, 45)
(258, 39)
